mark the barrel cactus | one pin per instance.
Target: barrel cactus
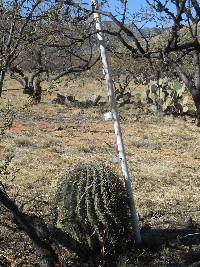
(92, 207)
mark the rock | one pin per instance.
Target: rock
(60, 128)
(116, 159)
(108, 116)
(153, 108)
(71, 98)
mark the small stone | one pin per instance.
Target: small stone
(60, 128)
(71, 98)
(153, 108)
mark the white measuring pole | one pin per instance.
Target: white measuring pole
(117, 128)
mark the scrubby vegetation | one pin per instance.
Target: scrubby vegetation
(62, 196)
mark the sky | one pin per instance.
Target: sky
(136, 5)
(133, 5)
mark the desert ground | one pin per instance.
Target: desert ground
(45, 140)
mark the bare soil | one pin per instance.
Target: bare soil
(163, 152)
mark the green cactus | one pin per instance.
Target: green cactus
(170, 96)
(92, 207)
(139, 98)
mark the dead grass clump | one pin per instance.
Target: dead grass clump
(86, 148)
(23, 141)
(50, 143)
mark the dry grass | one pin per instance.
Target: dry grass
(163, 155)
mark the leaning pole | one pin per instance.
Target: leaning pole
(115, 118)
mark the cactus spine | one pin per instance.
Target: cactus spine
(92, 207)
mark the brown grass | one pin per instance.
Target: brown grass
(163, 155)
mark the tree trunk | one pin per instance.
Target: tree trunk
(196, 98)
(196, 91)
(37, 91)
(192, 86)
(2, 76)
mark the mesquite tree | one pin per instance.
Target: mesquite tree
(43, 37)
(15, 30)
(175, 49)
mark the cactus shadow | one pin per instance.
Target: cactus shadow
(154, 238)
(188, 240)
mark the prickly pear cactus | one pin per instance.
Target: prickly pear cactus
(170, 96)
(92, 207)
